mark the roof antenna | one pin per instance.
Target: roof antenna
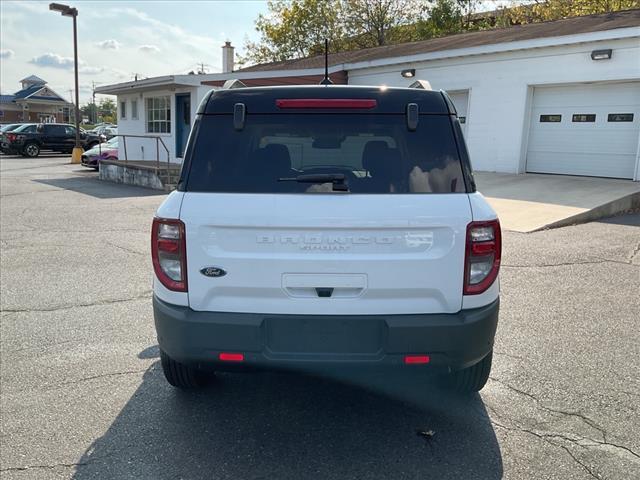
(326, 80)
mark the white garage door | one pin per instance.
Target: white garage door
(460, 99)
(585, 130)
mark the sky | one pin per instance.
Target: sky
(118, 39)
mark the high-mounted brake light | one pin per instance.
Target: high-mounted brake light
(169, 253)
(482, 257)
(326, 103)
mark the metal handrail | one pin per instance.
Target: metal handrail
(159, 141)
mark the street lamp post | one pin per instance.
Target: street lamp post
(68, 11)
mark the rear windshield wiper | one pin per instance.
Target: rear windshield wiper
(338, 180)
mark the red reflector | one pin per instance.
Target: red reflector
(415, 359)
(231, 357)
(170, 246)
(326, 103)
(483, 248)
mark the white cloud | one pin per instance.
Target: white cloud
(109, 44)
(53, 60)
(149, 48)
(6, 53)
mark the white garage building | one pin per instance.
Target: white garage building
(557, 97)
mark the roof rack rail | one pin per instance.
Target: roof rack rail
(421, 84)
(233, 83)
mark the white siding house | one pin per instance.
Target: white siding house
(558, 97)
(499, 93)
(155, 115)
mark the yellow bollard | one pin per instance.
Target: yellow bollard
(76, 156)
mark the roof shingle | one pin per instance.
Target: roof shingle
(27, 91)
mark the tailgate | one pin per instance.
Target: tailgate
(326, 253)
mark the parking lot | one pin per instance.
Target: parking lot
(83, 396)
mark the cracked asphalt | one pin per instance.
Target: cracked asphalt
(82, 393)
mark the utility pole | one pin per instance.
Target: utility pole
(67, 11)
(95, 109)
(72, 110)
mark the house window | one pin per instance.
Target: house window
(550, 118)
(583, 117)
(159, 114)
(123, 109)
(620, 117)
(134, 109)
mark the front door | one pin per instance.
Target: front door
(183, 122)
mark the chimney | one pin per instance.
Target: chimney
(227, 57)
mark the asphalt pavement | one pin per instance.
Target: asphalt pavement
(82, 393)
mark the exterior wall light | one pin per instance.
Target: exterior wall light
(601, 54)
(408, 73)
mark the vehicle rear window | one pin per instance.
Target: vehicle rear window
(376, 153)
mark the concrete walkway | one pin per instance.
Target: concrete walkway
(530, 202)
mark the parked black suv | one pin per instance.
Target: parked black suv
(59, 137)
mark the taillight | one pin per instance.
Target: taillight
(482, 258)
(11, 137)
(169, 253)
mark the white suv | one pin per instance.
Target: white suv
(322, 227)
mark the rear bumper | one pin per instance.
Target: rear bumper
(312, 342)
(10, 149)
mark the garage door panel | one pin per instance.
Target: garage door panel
(615, 166)
(596, 95)
(599, 148)
(580, 142)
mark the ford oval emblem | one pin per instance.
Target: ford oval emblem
(213, 272)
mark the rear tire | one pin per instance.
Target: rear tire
(181, 376)
(31, 150)
(473, 378)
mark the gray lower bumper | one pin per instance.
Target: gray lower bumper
(452, 341)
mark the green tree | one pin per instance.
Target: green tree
(467, 8)
(107, 110)
(295, 29)
(544, 10)
(444, 17)
(89, 111)
(373, 23)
